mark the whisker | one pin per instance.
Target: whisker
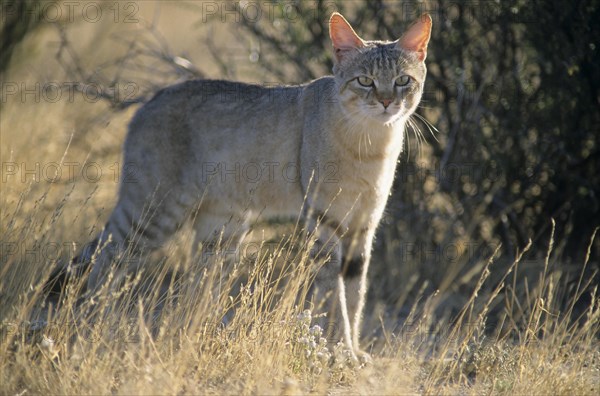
(408, 140)
(430, 127)
(417, 133)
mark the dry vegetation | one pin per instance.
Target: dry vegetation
(243, 333)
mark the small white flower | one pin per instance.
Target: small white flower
(323, 356)
(48, 347)
(305, 316)
(47, 343)
(316, 331)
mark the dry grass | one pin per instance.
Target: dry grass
(187, 339)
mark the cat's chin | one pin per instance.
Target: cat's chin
(387, 119)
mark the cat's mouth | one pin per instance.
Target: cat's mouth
(382, 115)
(387, 114)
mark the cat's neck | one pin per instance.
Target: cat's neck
(368, 139)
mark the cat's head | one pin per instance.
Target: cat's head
(379, 80)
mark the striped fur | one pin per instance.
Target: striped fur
(197, 148)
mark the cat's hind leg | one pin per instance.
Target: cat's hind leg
(218, 235)
(133, 231)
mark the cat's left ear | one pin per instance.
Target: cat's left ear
(417, 36)
(343, 37)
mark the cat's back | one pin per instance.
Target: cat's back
(200, 111)
(212, 98)
(217, 120)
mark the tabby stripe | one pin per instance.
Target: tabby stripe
(322, 218)
(145, 231)
(170, 213)
(124, 221)
(119, 227)
(353, 267)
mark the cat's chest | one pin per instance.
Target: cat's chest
(364, 173)
(362, 192)
(372, 180)
(369, 173)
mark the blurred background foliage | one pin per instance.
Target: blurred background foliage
(513, 89)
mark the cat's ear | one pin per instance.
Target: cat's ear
(343, 37)
(417, 36)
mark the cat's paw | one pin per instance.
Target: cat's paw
(363, 358)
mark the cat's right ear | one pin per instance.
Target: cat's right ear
(343, 37)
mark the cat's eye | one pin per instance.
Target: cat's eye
(402, 80)
(365, 81)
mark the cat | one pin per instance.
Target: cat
(229, 152)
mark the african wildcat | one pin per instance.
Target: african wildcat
(192, 146)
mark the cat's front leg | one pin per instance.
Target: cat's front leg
(356, 257)
(340, 284)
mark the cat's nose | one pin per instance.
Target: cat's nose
(385, 102)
